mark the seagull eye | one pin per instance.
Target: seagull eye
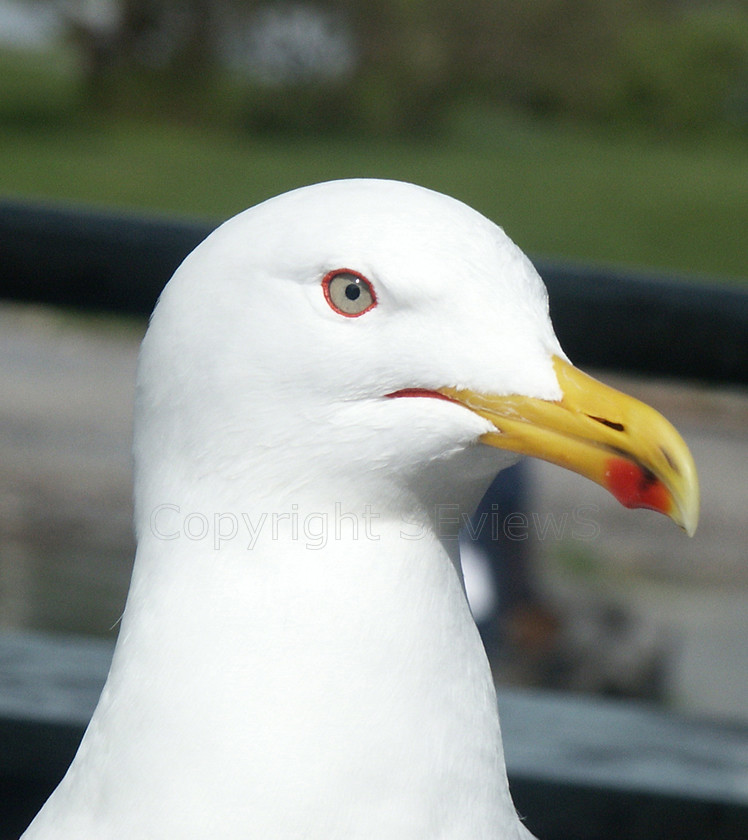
(348, 292)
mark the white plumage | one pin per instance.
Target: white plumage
(297, 658)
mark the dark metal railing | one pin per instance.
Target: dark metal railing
(604, 318)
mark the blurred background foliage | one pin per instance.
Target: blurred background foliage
(398, 65)
(592, 129)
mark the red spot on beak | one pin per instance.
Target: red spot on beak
(635, 487)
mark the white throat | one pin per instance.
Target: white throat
(342, 692)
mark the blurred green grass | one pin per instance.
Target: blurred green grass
(560, 190)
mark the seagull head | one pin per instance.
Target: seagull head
(355, 334)
(353, 343)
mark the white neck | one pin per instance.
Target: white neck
(384, 725)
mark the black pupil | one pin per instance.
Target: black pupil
(352, 291)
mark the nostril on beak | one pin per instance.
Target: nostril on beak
(611, 424)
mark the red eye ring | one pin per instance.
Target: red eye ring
(348, 292)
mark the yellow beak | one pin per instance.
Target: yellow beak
(596, 431)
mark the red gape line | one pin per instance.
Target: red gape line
(421, 392)
(634, 487)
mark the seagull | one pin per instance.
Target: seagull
(327, 386)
